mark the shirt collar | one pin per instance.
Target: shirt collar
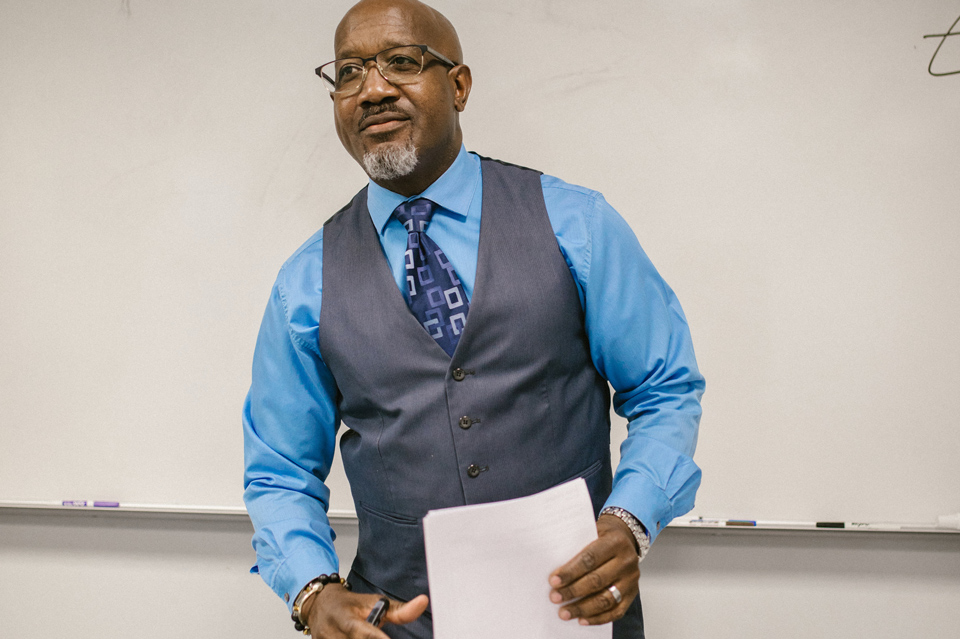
(453, 191)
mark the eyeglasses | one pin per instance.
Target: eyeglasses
(397, 65)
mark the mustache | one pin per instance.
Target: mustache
(377, 109)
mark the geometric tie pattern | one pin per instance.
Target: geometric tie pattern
(434, 291)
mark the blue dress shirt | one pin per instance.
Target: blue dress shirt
(639, 341)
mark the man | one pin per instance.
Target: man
(469, 366)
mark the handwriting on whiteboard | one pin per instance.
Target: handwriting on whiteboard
(943, 38)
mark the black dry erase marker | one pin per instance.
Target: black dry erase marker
(379, 610)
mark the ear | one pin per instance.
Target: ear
(462, 81)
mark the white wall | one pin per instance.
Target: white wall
(790, 167)
(115, 577)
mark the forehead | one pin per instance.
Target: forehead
(367, 32)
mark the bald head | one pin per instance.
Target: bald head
(431, 26)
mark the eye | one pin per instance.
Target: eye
(348, 72)
(401, 63)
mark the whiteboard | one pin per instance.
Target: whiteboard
(791, 168)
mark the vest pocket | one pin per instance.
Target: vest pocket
(398, 519)
(587, 473)
(390, 552)
(599, 483)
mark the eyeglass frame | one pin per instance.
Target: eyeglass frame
(424, 48)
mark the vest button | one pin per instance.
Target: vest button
(459, 374)
(473, 470)
(465, 422)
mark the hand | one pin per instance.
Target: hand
(336, 612)
(611, 560)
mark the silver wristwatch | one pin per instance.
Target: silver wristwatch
(639, 532)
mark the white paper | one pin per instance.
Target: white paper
(488, 565)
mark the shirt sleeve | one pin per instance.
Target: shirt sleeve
(289, 426)
(640, 342)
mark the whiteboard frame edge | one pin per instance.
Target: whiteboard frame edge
(239, 513)
(229, 513)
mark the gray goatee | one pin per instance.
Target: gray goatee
(390, 161)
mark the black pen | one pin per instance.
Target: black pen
(379, 610)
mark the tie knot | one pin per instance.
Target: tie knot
(415, 215)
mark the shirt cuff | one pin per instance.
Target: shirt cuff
(298, 569)
(639, 496)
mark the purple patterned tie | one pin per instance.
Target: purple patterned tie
(434, 291)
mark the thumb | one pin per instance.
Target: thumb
(401, 613)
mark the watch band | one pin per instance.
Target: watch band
(639, 532)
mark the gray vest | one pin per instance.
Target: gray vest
(518, 409)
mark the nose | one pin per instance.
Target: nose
(374, 88)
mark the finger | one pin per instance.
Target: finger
(354, 628)
(598, 580)
(599, 604)
(401, 613)
(607, 617)
(378, 612)
(343, 615)
(590, 558)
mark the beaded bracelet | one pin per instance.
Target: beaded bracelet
(312, 588)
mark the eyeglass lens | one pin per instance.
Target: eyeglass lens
(398, 66)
